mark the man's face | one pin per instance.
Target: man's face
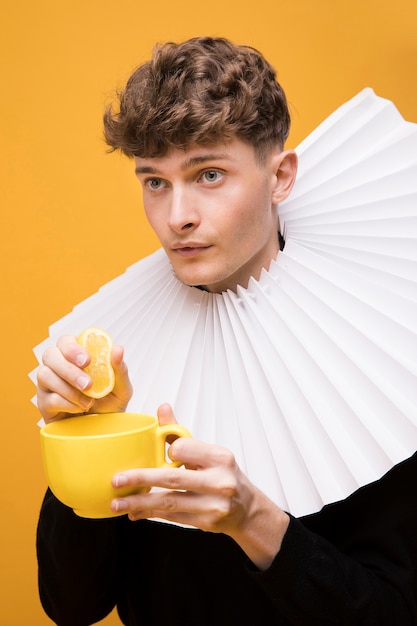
(214, 211)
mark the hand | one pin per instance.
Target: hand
(211, 493)
(62, 381)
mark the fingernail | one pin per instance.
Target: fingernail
(119, 505)
(86, 403)
(81, 359)
(82, 382)
(120, 480)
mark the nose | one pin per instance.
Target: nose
(183, 215)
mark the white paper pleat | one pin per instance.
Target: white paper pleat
(310, 374)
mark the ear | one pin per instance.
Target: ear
(285, 167)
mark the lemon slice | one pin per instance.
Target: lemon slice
(98, 344)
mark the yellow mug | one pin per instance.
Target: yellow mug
(81, 454)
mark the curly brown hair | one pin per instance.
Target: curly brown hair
(201, 91)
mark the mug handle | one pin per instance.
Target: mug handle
(162, 434)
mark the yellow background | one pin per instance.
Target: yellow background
(71, 214)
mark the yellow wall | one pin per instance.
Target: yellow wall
(70, 214)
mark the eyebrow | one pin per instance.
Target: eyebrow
(188, 164)
(146, 169)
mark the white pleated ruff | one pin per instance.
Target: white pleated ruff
(309, 375)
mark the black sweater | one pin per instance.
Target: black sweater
(354, 562)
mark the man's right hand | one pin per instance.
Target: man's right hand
(62, 382)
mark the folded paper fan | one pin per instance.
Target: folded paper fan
(310, 373)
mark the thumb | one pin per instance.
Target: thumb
(166, 415)
(123, 389)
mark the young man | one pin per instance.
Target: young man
(206, 123)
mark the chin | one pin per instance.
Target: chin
(192, 278)
(189, 280)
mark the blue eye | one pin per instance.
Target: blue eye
(154, 183)
(212, 176)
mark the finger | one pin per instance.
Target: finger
(50, 381)
(167, 478)
(53, 407)
(159, 504)
(54, 395)
(203, 512)
(200, 455)
(72, 351)
(116, 357)
(122, 387)
(166, 415)
(189, 519)
(56, 362)
(215, 480)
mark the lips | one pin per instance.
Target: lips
(189, 249)
(188, 244)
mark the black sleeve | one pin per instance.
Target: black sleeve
(352, 564)
(355, 562)
(78, 581)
